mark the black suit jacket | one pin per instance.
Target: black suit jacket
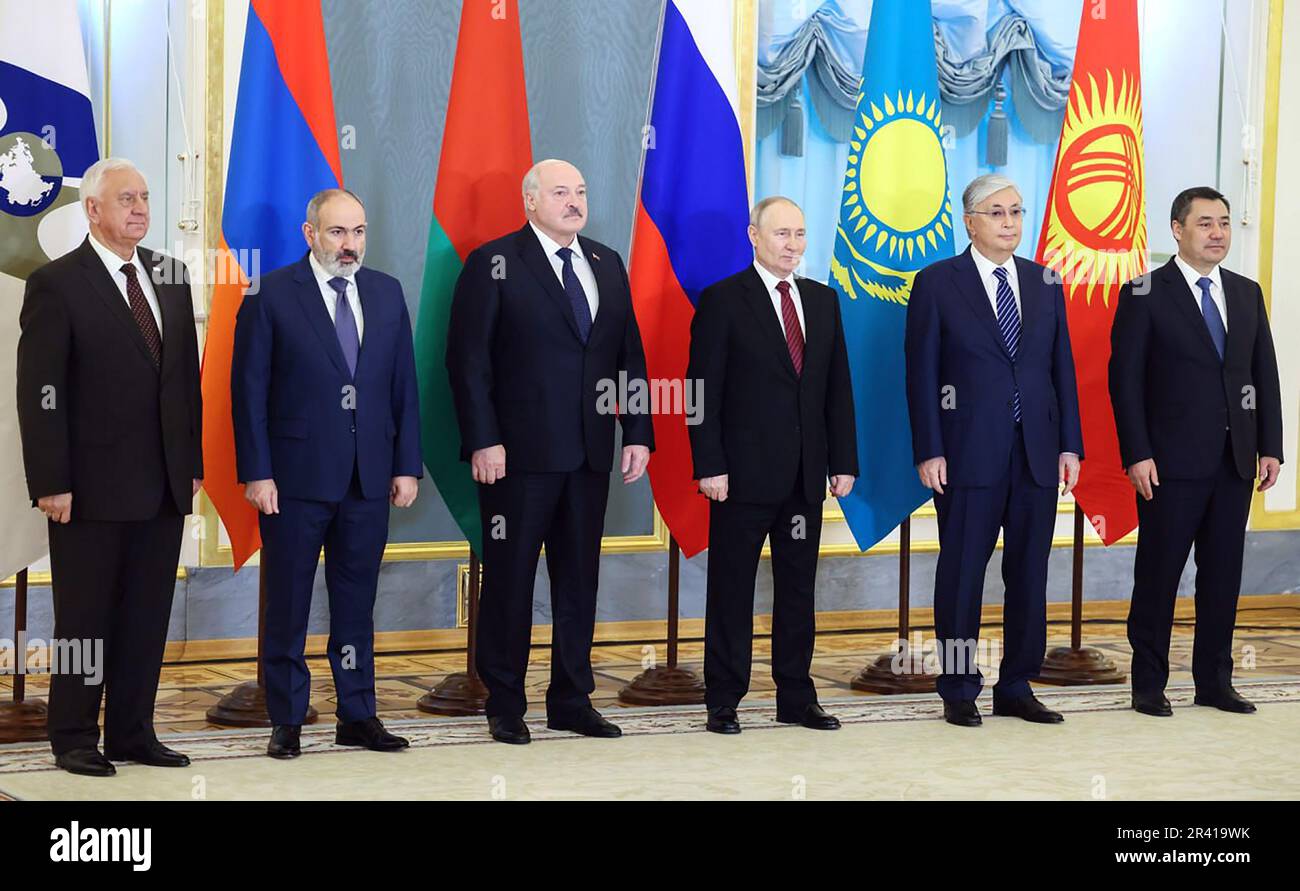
(761, 421)
(98, 418)
(520, 375)
(1174, 401)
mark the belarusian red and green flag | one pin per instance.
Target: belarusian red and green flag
(486, 150)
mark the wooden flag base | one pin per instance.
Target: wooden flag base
(667, 684)
(245, 706)
(1071, 667)
(894, 674)
(22, 722)
(1077, 665)
(457, 694)
(664, 685)
(462, 693)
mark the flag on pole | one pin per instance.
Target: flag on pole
(1094, 236)
(47, 140)
(283, 149)
(691, 217)
(486, 150)
(895, 219)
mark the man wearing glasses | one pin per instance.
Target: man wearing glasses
(995, 428)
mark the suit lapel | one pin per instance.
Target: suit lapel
(1235, 303)
(759, 300)
(968, 281)
(605, 271)
(106, 288)
(1187, 306)
(169, 288)
(313, 307)
(536, 261)
(1031, 297)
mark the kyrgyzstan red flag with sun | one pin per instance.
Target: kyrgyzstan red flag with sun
(1094, 237)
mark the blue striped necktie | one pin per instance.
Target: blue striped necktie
(1009, 325)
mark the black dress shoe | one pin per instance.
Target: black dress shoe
(722, 720)
(1228, 700)
(962, 713)
(588, 723)
(1154, 704)
(85, 762)
(369, 734)
(284, 741)
(811, 716)
(509, 729)
(1028, 708)
(155, 754)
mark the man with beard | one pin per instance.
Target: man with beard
(327, 434)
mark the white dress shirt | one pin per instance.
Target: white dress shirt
(770, 281)
(331, 296)
(581, 267)
(114, 264)
(1216, 288)
(990, 281)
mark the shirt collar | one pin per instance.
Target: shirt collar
(111, 260)
(986, 266)
(550, 245)
(1193, 276)
(323, 276)
(771, 280)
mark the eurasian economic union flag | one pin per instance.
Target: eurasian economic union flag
(47, 140)
(895, 218)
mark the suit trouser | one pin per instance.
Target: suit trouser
(1211, 514)
(736, 533)
(565, 511)
(353, 532)
(113, 582)
(969, 520)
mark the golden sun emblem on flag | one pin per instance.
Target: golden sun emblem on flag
(896, 208)
(1096, 230)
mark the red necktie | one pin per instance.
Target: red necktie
(793, 333)
(142, 313)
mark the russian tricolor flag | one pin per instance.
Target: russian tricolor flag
(692, 215)
(283, 149)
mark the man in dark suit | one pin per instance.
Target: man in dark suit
(767, 347)
(109, 408)
(542, 324)
(995, 427)
(327, 435)
(1194, 386)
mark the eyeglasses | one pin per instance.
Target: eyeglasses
(1000, 214)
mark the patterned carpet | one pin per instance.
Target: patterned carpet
(889, 748)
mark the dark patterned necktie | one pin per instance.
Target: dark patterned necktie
(793, 333)
(577, 296)
(142, 313)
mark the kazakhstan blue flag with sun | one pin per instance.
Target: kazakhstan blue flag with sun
(895, 219)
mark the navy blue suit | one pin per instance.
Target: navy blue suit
(332, 442)
(1002, 474)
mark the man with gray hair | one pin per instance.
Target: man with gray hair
(540, 317)
(995, 428)
(110, 415)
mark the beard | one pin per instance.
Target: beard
(333, 262)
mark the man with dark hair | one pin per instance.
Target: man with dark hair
(1195, 390)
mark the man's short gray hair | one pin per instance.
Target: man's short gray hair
(92, 181)
(982, 187)
(756, 214)
(318, 201)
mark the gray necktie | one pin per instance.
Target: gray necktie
(345, 324)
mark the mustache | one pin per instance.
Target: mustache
(346, 255)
